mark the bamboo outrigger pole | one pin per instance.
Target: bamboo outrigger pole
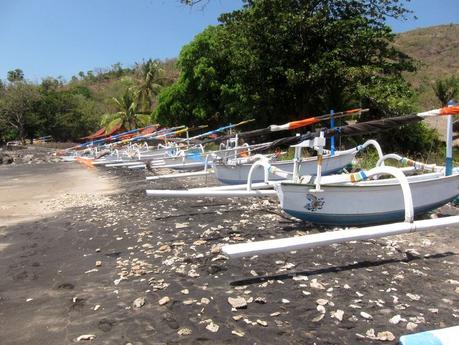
(326, 238)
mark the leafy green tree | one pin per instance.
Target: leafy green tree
(206, 89)
(279, 60)
(65, 113)
(15, 75)
(446, 89)
(127, 116)
(18, 109)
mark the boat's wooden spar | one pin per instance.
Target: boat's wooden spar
(326, 238)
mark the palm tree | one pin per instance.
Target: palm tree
(151, 84)
(446, 89)
(127, 117)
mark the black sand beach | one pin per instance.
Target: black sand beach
(84, 252)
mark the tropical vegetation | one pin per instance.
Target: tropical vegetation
(271, 60)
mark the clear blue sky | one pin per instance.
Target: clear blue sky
(63, 37)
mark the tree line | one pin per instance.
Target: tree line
(271, 60)
(281, 60)
(118, 97)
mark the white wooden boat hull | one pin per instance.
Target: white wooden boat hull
(369, 202)
(238, 174)
(181, 163)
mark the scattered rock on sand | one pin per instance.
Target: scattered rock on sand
(260, 300)
(321, 309)
(184, 331)
(139, 302)
(262, 323)
(337, 315)
(164, 300)
(318, 318)
(316, 285)
(412, 254)
(365, 315)
(193, 274)
(205, 300)
(370, 333)
(238, 302)
(385, 336)
(382, 336)
(322, 301)
(411, 326)
(216, 249)
(395, 319)
(238, 333)
(413, 296)
(212, 327)
(86, 337)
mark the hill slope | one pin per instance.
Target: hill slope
(437, 49)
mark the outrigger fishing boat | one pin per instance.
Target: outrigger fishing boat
(94, 148)
(193, 157)
(126, 151)
(236, 171)
(348, 199)
(231, 164)
(356, 199)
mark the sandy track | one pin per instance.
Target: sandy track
(29, 192)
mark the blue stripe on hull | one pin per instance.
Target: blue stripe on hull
(362, 219)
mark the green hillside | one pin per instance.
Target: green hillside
(437, 50)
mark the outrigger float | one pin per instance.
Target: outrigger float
(360, 198)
